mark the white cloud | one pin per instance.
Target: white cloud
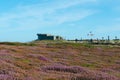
(42, 15)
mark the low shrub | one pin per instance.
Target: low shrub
(80, 73)
(61, 68)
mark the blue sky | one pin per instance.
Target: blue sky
(21, 20)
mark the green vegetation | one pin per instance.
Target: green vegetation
(56, 60)
(17, 44)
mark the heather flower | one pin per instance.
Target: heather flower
(6, 77)
(80, 72)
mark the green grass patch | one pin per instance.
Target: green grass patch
(88, 65)
(17, 44)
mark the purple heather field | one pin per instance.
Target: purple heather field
(48, 60)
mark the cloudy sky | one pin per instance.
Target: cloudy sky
(21, 20)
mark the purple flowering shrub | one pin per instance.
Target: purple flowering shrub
(6, 77)
(80, 73)
(43, 58)
(33, 62)
(61, 68)
(38, 56)
(94, 76)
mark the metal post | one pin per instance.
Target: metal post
(90, 34)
